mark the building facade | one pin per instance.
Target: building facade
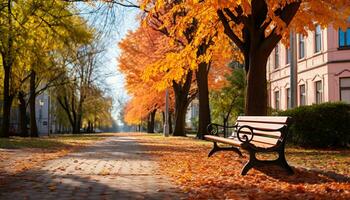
(323, 69)
(192, 114)
(45, 116)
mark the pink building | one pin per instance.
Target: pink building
(323, 69)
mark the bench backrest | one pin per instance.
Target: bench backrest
(267, 136)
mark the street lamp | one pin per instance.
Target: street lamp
(41, 103)
(166, 124)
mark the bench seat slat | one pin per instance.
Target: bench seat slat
(261, 125)
(268, 133)
(257, 141)
(263, 119)
(265, 140)
(273, 134)
(260, 144)
(223, 140)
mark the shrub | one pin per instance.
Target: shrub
(322, 125)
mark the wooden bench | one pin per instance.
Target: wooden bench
(256, 134)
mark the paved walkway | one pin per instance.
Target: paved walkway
(116, 168)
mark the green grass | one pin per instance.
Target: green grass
(52, 142)
(328, 160)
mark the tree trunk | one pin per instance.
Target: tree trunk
(33, 125)
(7, 61)
(150, 121)
(163, 118)
(256, 95)
(224, 123)
(203, 95)
(180, 116)
(69, 110)
(181, 102)
(5, 129)
(75, 126)
(23, 114)
(79, 115)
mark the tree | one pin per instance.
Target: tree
(141, 50)
(80, 79)
(195, 53)
(97, 110)
(30, 33)
(255, 27)
(229, 100)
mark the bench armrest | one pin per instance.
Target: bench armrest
(213, 129)
(243, 136)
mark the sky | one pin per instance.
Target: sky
(116, 81)
(118, 24)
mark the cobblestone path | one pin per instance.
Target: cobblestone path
(116, 168)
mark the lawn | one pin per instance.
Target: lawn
(319, 174)
(52, 142)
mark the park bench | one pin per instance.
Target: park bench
(255, 134)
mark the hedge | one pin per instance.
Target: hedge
(321, 125)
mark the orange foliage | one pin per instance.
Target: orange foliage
(310, 13)
(145, 63)
(167, 17)
(140, 49)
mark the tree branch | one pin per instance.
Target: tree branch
(286, 15)
(229, 32)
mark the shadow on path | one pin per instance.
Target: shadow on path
(112, 169)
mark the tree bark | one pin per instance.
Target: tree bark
(203, 97)
(150, 121)
(256, 95)
(33, 125)
(5, 129)
(180, 116)
(23, 114)
(181, 103)
(7, 61)
(79, 116)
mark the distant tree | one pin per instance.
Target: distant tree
(229, 101)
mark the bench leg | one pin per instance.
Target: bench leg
(253, 161)
(250, 164)
(284, 164)
(216, 148)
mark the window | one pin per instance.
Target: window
(277, 100)
(344, 38)
(345, 89)
(318, 39)
(288, 55)
(318, 90)
(302, 97)
(301, 46)
(289, 100)
(277, 55)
